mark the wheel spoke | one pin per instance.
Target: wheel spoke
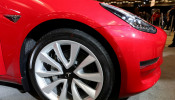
(47, 59)
(51, 86)
(74, 53)
(54, 83)
(48, 73)
(88, 98)
(75, 93)
(88, 60)
(63, 95)
(95, 77)
(59, 53)
(90, 91)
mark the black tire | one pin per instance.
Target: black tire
(124, 98)
(84, 39)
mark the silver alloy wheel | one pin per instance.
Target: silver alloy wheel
(58, 74)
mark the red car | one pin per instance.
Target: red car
(77, 49)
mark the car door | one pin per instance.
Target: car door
(10, 38)
(2, 11)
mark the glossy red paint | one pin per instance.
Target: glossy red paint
(2, 67)
(130, 45)
(145, 46)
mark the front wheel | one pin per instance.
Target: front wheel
(68, 64)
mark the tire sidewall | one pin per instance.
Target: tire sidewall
(84, 39)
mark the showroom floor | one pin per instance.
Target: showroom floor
(164, 89)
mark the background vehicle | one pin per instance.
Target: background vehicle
(72, 50)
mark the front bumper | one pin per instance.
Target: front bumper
(133, 47)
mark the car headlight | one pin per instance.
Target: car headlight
(130, 18)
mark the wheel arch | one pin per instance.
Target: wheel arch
(43, 28)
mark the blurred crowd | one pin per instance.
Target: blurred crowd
(169, 19)
(165, 20)
(170, 22)
(157, 18)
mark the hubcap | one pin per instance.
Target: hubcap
(67, 70)
(68, 75)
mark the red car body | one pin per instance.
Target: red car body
(131, 46)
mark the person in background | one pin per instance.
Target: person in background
(144, 15)
(172, 15)
(169, 18)
(148, 16)
(155, 17)
(165, 23)
(136, 9)
(140, 14)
